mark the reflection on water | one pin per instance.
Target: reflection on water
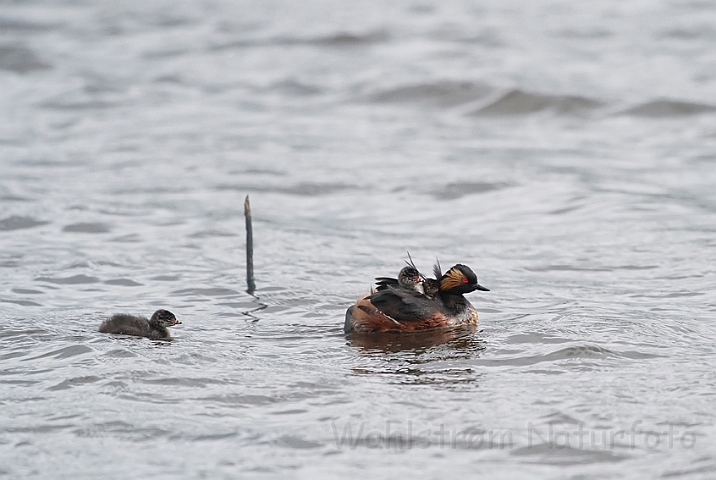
(459, 340)
(421, 358)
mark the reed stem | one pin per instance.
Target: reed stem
(250, 285)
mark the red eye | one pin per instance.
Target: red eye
(464, 280)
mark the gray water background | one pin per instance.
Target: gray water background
(563, 150)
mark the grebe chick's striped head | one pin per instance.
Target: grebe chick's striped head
(410, 278)
(164, 318)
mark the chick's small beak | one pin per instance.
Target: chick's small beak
(480, 287)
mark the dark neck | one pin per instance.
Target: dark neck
(453, 302)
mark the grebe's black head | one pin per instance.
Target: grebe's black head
(164, 318)
(460, 279)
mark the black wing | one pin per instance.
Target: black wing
(402, 305)
(385, 282)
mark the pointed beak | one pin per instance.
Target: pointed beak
(480, 287)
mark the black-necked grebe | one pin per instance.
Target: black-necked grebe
(154, 328)
(394, 309)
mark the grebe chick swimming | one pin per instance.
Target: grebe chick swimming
(401, 310)
(154, 328)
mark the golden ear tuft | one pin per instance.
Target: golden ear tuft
(452, 279)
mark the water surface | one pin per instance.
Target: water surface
(564, 152)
